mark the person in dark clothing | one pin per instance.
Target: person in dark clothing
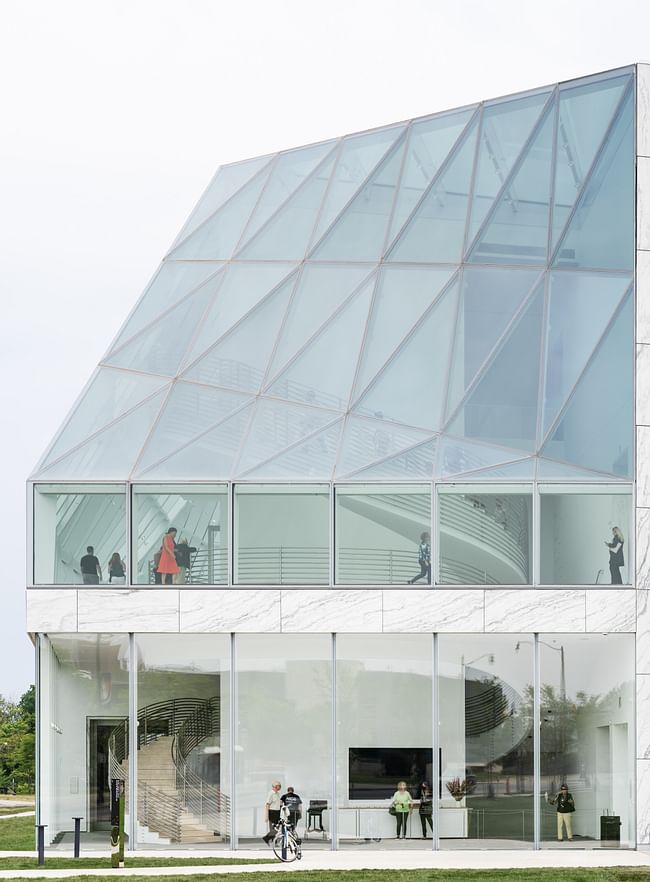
(116, 569)
(616, 560)
(425, 809)
(91, 571)
(565, 808)
(184, 552)
(293, 805)
(424, 559)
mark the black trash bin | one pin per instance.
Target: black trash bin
(610, 828)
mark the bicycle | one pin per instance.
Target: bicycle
(286, 844)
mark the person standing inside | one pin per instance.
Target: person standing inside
(272, 808)
(402, 802)
(184, 552)
(116, 569)
(616, 560)
(425, 809)
(168, 568)
(565, 808)
(424, 559)
(91, 571)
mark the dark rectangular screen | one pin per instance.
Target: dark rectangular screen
(374, 772)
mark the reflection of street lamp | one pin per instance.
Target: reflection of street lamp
(559, 649)
(463, 664)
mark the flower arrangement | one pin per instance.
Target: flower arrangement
(460, 789)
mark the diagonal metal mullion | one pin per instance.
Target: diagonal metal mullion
(543, 356)
(594, 352)
(442, 169)
(392, 146)
(587, 180)
(514, 171)
(294, 444)
(473, 176)
(408, 138)
(551, 201)
(388, 457)
(245, 240)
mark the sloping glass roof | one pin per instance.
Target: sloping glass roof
(445, 297)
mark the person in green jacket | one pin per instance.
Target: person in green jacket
(403, 803)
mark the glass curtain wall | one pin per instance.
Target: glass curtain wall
(183, 765)
(199, 513)
(587, 739)
(485, 708)
(585, 535)
(383, 534)
(83, 718)
(284, 732)
(485, 538)
(282, 534)
(78, 529)
(384, 729)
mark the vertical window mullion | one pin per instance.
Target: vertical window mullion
(133, 743)
(537, 813)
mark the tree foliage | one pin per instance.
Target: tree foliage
(18, 743)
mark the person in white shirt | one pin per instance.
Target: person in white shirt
(272, 808)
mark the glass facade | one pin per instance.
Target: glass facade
(342, 719)
(398, 358)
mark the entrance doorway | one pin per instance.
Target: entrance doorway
(99, 788)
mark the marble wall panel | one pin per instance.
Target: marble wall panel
(609, 611)
(49, 609)
(643, 384)
(643, 802)
(230, 609)
(140, 609)
(643, 109)
(438, 610)
(344, 611)
(643, 203)
(550, 610)
(643, 297)
(643, 631)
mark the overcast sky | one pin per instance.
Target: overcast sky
(114, 115)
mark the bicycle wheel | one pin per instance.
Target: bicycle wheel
(286, 850)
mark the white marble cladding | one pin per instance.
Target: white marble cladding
(344, 610)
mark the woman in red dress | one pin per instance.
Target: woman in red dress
(168, 568)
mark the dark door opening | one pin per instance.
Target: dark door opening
(99, 788)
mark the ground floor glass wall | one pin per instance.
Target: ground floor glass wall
(217, 720)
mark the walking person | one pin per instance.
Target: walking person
(272, 809)
(293, 804)
(424, 559)
(402, 803)
(91, 571)
(565, 808)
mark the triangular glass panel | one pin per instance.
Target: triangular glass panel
(580, 308)
(244, 286)
(111, 453)
(368, 442)
(505, 128)
(595, 431)
(430, 141)
(217, 237)
(516, 229)
(584, 114)
(277, 425)
(410, 388)
(110, 394)
(289, 171)
(591, 239)
(190, 410)
(403, 294)
(458, 456)
(502, 406)
(161, 347)
(413, 464)
(240, 359)
(227, 181)
(323, 372)
(313, 458)
(210, 456)
(357, 157)
(490, 297)
(288, 233)
(173, 281)
(360, 232)
(552, 470)
(436, 231)
(321, 290)
(522, 469)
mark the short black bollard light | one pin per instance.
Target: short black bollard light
(77, 835)
(40, 843)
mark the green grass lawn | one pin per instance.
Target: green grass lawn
(64, 863)
(615, 874)
(17, 834)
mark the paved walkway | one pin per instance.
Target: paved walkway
(357, 860)
(22, 814)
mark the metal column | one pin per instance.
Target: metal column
(133, 743)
